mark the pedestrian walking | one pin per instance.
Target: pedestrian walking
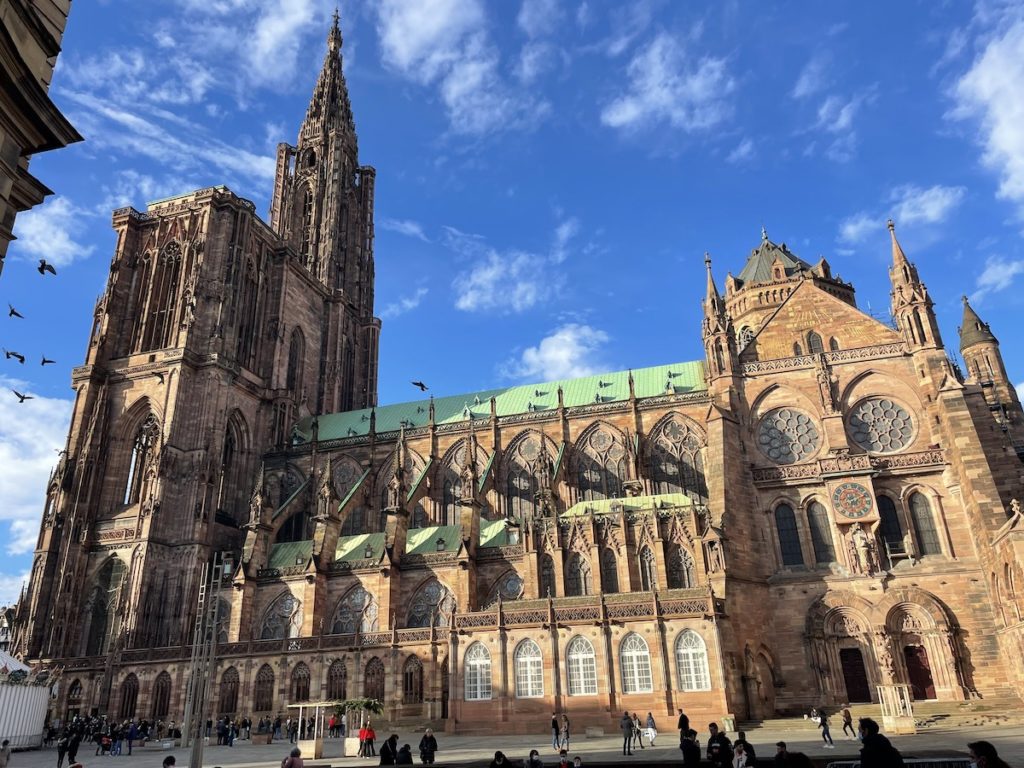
(555, 731)
(719, 747)
(652, 729)
(848, 724)
(5, 753)
(691, 752)
(826, 735)
(428, 747)
(626, 724)
(563, 740)
(371, 736)
(683, 724)
(638, 735)
(62, 748)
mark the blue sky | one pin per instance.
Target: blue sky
(549, 173)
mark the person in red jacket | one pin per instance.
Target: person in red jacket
(362, 741)
(370, 736)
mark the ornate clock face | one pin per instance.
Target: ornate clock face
(852, 500)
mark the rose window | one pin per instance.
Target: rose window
(786, 436)
(880, 425)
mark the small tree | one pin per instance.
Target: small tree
(364, 705)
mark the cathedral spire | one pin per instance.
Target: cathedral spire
(334, 36)
(329, 107)
(899, 258)
(911, 305)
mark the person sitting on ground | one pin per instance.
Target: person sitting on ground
(428, 746)
(168, 762)
(984, 755)
(781, 755)
(499, 761)
(294, 759)
(690, 750)
(404, 755)
(577, 761)
(741, 738)
(877, 751)
(563, 759)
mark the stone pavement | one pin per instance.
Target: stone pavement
(479, 749)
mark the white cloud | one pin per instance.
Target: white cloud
(538, 17)
(503, 282)
(583, 15)
(916, 205)
(446, 42)
(136, 189)
(998, 275)
(10, 586)
(855, 228)
(665, 88)
(568, 352)
(536, 58)
(30, 434)
(50, 231)
(743, 151)
(564, 233)
(835, 116)
(1020, 391)
(990, 92)
(812, 78)
(405, 227)
(404, 304)
(272, 48)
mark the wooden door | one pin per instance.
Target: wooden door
(919, 672)
(855, 675)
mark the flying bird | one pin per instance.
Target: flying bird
(22, 398)
(421, 385)
(19, 357)
(159, 376)
(12, 312)
(45, 266)
(47, 361)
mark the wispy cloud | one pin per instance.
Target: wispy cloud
(835, 117)
(406, 227)
(503, 282)
(539, 17)
(909, 205)
(665, 87)
(52, 232)
(741, 152)
(10, 586)
(570, 351)
(998, 275)
(813, 77)
(990, 94)
(564, 233)
(404, 304)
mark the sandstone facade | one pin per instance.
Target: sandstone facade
(822, 505)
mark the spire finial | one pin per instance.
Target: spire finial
(898, 257)
(334, 36)
(764, 234)
(707, 260)
(964, 300)
(891, 224)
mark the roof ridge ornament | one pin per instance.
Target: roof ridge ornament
(764, 234)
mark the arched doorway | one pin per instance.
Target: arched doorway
(919, 672)
(855, 675)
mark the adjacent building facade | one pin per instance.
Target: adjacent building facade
(821, 505)
(30, 35)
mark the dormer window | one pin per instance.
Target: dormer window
(814, 344)
(368, 552)
(441, 546)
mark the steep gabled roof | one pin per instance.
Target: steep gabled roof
(973, 330)
(758, 268)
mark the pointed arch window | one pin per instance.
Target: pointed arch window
(228, 698)
(300, 683)
(677, 463)
(814, 344)
(635, 662)
(373, 686)
(296, 362)
(692, 662)
(797, 349)
(337, 681)
(129, 697)
(522, 480)
(283, 618)
(609, 571)
(99, 630)
(833, 344)
(577, 576)
(648, 570)
(821, 534)
(431, 606)
(160, 326)
(789, 536)
(600, 465)
(355, 523)
(478, 673)
(412, 681)
(529, 667)
(357, 612)
(582, 667)
(307, 225)
(161, 695)
(681, 571)
(924, 525)
(142, 448)
(889, 522)
(263, 689)
(450, 493)
(547, 576)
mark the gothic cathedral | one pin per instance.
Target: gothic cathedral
(822, 505)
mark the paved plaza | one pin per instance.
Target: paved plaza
(479, 749)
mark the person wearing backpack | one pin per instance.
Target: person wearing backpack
(389, 750)
(294, 759)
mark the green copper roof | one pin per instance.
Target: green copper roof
(634, 504)
(419, 541)
(354, 547)
(758, 268)
(289, 553)
(493, 533)
(602, 388)
(423, 541)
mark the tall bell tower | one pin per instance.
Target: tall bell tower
(323, 209)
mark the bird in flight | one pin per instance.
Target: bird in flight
(47, 361)
(45, 266)
(421, 385)
(19, 357)
(159, 376)
(22, 398)
(12, 312)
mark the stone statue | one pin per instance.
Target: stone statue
(715, 559)
(256, 501)
(826, 387)
(862, 553)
